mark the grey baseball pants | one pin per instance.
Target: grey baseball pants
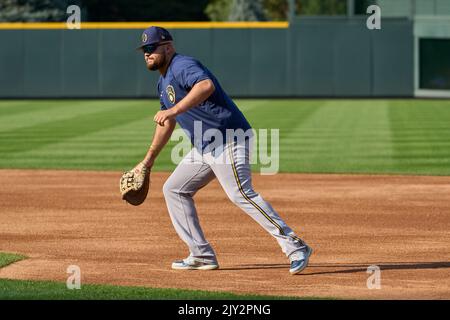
(231, 167)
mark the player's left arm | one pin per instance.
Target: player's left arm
(201, 91)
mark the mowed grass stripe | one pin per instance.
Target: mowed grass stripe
(113, 147)
(105, 148)
(421, 136)
(12, 107)
(134, 137)
(333, 139)
(54, 131)
(52, 111)
(335, 136)
(27, 146)
(286, 116)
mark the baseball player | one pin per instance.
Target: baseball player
(191, 96)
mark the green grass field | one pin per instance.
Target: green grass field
(318, 136)
(50, 290)
(8, 258)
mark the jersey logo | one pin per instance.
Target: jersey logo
(171, 94)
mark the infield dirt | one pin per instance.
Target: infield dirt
(399, 223)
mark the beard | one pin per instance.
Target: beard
(157, 64)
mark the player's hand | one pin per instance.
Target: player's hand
(139, 168)
(162, 116)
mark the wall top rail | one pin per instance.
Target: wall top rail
(143, 25)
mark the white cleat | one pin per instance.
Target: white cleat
(299, 260)
(191, 263)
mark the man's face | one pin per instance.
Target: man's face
(157, 59)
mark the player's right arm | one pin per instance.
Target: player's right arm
(161, 136)
(160, 139)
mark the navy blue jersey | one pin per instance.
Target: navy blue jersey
(218, 111)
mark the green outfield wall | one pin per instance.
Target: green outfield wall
(320, 56)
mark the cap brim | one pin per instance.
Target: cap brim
(145, 44)
(154, 43)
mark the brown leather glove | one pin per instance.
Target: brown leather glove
(134, 184)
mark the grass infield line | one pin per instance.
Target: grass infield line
(9, 258)
(50, 290)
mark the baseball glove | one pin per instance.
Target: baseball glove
(134, 185)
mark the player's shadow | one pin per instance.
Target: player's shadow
(346, 267)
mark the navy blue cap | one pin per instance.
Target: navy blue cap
(154, 35)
